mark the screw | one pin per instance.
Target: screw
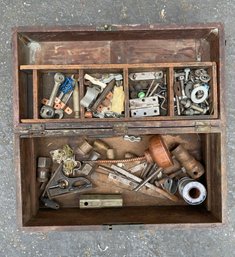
(187, 71)
(181, 80)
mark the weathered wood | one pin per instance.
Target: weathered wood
(116, 66)
(35, 94)
(76, 50)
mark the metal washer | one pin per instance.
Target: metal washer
(201, 99)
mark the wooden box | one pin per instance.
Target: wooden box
(39, 52)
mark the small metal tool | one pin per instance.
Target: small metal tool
(100, 201)
(47, 111)
(60, 184)
(144, 182)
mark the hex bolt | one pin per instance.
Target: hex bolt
(187, 71)
(181, 80)
(188, 104)
(190, 112)
(176, 75)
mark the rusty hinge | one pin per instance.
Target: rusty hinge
(37, 129)
(105, 27)
(120, 129)
(202, 126)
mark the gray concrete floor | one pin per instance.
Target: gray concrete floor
(169, 243)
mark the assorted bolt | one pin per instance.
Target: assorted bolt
(191, 98)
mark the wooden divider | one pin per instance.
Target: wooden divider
(36, 94)
(126, 91)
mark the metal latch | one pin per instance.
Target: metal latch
(202, 127)
(120, 129)
(105, 27)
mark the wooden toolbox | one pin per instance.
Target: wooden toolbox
(40, 52)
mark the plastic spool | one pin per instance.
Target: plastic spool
(192, 191)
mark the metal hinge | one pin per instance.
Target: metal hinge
(202, 127)
(120, 129)
(37, 129)
(105, 27)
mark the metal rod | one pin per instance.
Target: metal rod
(147, 179)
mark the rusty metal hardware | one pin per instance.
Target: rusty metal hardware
(139, 180)
(186, 71)
(143, 107)
(59, 184)
(188, 104)
(132, 138)
(181, 80)
(68, 166)
(93, 156)
(85, 170)
(170, 185)
(192, 94)
(144, 182)
(76, 100)
(111, 154)
(102, 96)
(146, 75)
(84, 147)
(197, 99)
(90, 96)
(193, 167)
(192, 191)
(47, 111)
(50, 203)
(95, 81)
(139, 167)
(62, 154)
(43, 169)
(100, 145)
(100, 201)
(158, 152)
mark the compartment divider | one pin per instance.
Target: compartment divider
(126, 91)
(170, 91)
(81, 92)
(214, 91)
(36, 101)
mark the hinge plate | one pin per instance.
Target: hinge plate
(203, 127)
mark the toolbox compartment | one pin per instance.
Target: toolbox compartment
(138, 208)
(38, 53)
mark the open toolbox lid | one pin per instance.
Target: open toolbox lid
(37, 51)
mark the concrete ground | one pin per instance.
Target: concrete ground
(164, 243)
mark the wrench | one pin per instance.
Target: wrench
(47, 111)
